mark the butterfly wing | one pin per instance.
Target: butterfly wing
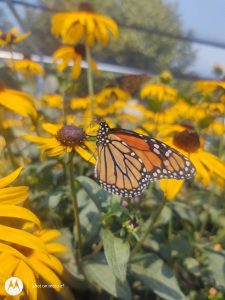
(160, 160)
(119, 169)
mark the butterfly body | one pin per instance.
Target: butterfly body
(128, 161)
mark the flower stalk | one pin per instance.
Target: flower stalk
(90, 79)
(75, 208)
(152, 222)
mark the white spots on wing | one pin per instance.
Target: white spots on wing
(156, 151)
(168, 153)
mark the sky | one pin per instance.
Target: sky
(206, 20)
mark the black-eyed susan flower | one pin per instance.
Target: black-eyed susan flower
(64, 55)
(84, 24)
(10, 197)
(12, 37)
(65, 139)
(33, 267)
(18, 102)
(159, 91)
(27, 67)
(111, 94)
(208, 166)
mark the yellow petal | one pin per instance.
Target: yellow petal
(213, 163)
(27, 276)
(46, 273)
(21, 237)
(201, 169)
(50, 261)
(51, 128)
(8, 264)
(10, 178)
(56, 248)
(76, 70)
(49, 235)
(85, 154)
(171, 187)
(14, 211)
(13, 195)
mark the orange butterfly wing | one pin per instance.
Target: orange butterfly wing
(160, 160)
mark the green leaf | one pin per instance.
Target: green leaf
(164, 217)
(90, 223)
(99, 274)
(155, 274)
(117, 254)
(217, 266)
(95, 192)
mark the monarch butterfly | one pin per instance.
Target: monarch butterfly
(128, 161)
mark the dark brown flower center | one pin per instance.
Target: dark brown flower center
(187, 140)
(71, 135)
(80, 49)
(86, 7)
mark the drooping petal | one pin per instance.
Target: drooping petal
(10, 178)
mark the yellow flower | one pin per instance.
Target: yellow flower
(84, 24)
(27, 67)
(33, 267)
(159, 91)
(217, 128)
(54, 100)
(111, 94)
(208, 86)
(64, 55)
(80, 103)
(12, 37)
(17, 101)
(166, 76)
(208, 166)
(65, 139)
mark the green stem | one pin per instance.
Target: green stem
(8, 147)
(75, 208)
(90, 79)
(152, 222)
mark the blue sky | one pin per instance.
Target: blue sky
(206, 20)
